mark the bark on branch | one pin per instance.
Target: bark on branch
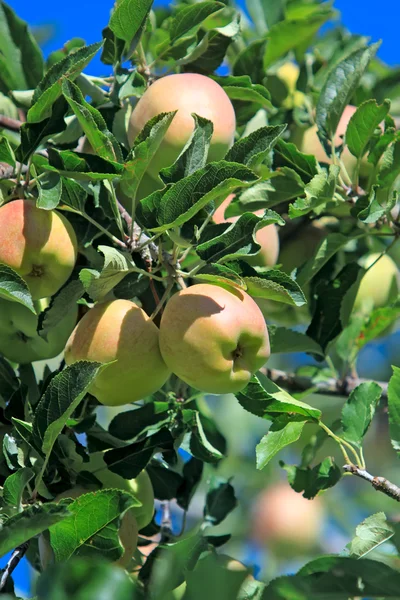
(329, 387)
(9, 123)
(15, 558)
(379, 483)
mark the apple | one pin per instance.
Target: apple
(128, 533)
(140, 487)
(380, 284)
(119, 331)
(267, 237)
(286, 521)
(308, 142)
(19, 340)
(214, 339)
(289, 73)
(187, 93)
(40, 245)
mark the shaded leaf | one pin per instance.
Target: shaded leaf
(284, 431)
(359, 411)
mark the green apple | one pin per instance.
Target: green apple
(40, 245)
(19, 340)
(380, 284)
(214, 339)
(187, 93)
(119, 332)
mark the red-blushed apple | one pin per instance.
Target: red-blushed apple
(187, 93)
(267, 237)
(214, 339)
(119, 331)
(40, 245)
(128, 533)
(19, 340)
(380, 284)
(286, 521)
(140, 487)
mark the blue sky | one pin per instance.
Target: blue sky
(86, 18)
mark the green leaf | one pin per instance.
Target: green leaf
(200, 445)
(209, 580)
(362, 125)
(319, 190)
(220, 501)
(128, 425)
(304, 164)
(49, 89)
(284, 431)
(6, 152)
(194, 155)
(183, 200)
(50, 191)
(394, 408)
(99, 137)
(116, 266)
(326, 249)
(389, 167)
(73, 194)
(13, 287)
(128, 18)
(370, 534)
(61, 303)
(146, 145)
(284, 340)
(82, 167)
(21, 60)
(90, 514)
(188, 18)
(30, 522)
(220, 275)
(113, 48)
(265, 399)
(272, 285)
(242, 88)
(289, 34)
(374, 211)
(253, 149)
(359, 411)
(14, 486)
(311, 481)
(238, 240)
(338, 90)
(60, 399)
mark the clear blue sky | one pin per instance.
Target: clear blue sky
(86, 18)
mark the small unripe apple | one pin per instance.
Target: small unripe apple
(267, 237)
(40, 245)
(128, 533)
(308, 142)
(140, 487)
(286, 521)
(19, 340)
(187, 93)
(380, 284)
(214, 339)
(119, 331)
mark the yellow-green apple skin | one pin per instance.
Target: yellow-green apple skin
(380, 284)
(40, 245)
(267, 237)
(289, 73)
(187, 93)
(19, 340)
(285, 521)
(214, 339)
(308, 142)
(119, 331)
(140, 487)
(128, 533)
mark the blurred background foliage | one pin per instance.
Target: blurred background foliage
(330, 525)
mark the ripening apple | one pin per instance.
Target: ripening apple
(187, 93)
(214, 339)
(119, 331)
(285, 521)
(19, 340)
(380, 284)
(267, 237)
(40, 245)
(140, 487)
(289, 73)
(308, 142)
(128, 533)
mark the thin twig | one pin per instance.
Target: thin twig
(166, 522)
(9, 123)
(15, 558)
(329, 387)
(379, 483)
